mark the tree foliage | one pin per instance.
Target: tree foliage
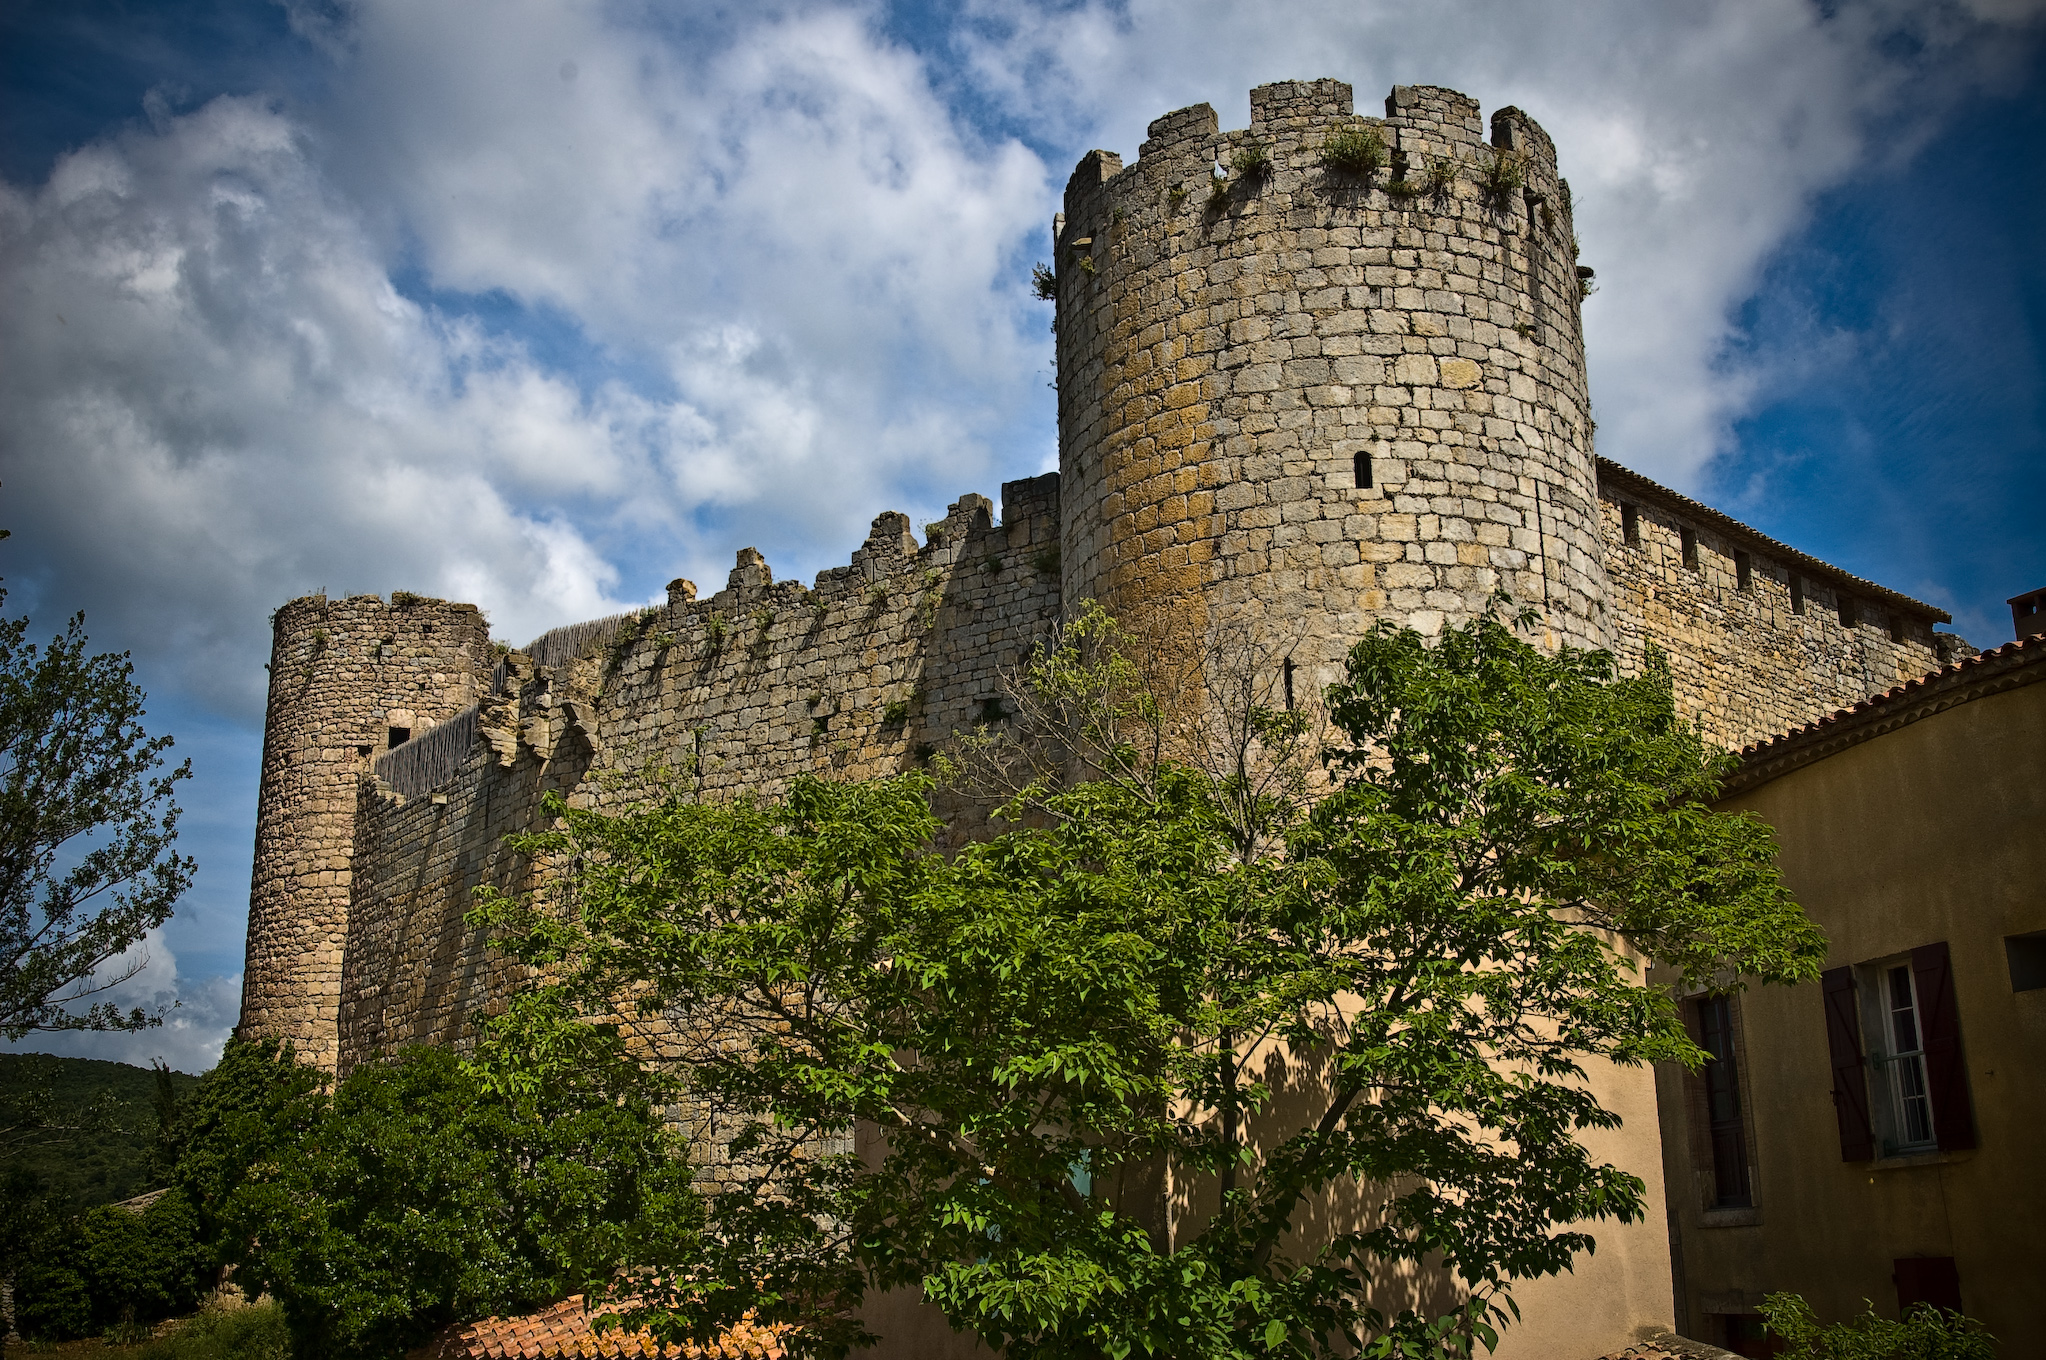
(1089, 1083)
(87, 832)
(412, 1197)
(1924, 1333)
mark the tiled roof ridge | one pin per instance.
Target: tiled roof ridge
(2007, 667)
(1726, 523)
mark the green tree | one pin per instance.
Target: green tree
(87, 832)
(1925, 1333)
(413, 1197)
(1048, 1028)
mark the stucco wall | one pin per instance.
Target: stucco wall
(1927, 832)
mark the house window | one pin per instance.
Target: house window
(1630, 525)
(1896, 626)
(1689, 539)
(1796, 593)
(1900, 1084)
(1723, 1105)
(2026, 955)
(398, 736)
(1744, 572)
(1910, 1097)
(1360, 465)
(1848, 615)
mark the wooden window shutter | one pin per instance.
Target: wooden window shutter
(1850, 1076)
(1953, 1121)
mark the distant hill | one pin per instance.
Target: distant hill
(91, 1168)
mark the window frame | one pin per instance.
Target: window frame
(1894, 1065)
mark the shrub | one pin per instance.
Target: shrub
(51, 1302)
(1926, 1333)
(1354, 151)
(226, 1333)
(1251, 161)
(141, 1267)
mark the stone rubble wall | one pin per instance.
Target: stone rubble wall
(342, 674)
(1749, 662)
(864, 674)
(1224, 360)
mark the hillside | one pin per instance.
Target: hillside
(104, 1162)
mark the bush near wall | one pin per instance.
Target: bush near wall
(112, 1266)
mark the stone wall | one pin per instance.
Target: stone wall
(1754, 630)
(1312, 399)
(345, 677)
(863, 674)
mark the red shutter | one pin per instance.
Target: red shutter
(1945, 1073)
(1850, 1077)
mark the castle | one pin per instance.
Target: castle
(1294, 395)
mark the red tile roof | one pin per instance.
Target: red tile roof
(2001, 668)
(566, 1332)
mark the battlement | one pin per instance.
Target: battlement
(1292, 119)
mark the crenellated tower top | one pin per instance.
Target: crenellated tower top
(1327, 369)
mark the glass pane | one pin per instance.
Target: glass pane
(1913, 1097)
(1903, 1014)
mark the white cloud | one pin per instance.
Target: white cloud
(1695, 136)
(198, 1014)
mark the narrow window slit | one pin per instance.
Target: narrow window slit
(1689, 539)
(1287, 672)
(1361, 465)
(1744, 572)
(1630, 525)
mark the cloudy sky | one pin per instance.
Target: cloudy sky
(539, 305)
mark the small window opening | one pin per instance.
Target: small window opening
(1723, 1105)
(1689, 539)
(1848, 617)
(2027, 956)
(1744, 572)
(398, 737)
(1361, 465)
(1796, 593)
(364, 750)
(1630, 525)
(1896, 626)
(1287, 672)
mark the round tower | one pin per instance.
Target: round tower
(1327, 370)
(349, 679)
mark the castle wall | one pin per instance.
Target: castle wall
(1747, 656)
(863, 675)
(1307, 404)
(1228, 368)
(343, 673)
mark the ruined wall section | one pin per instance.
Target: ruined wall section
(1760, 638)
(343, 675)
(1230, 360)
(864, 674)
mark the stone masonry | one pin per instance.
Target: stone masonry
(1297, 403)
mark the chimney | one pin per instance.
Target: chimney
(2028, 613)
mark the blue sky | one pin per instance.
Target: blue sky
(540, 305)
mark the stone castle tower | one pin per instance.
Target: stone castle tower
(349, 679)
(1294, 399)
(1312, 397)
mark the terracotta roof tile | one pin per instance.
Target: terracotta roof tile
(566, 1331)
(2008, 666)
